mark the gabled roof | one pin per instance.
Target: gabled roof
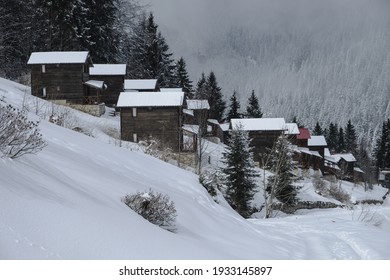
(348, 157)
(58, 57)
(259, 124)
(317, 141)
(150, 99)
(304, 134)
(108, 69)
(292, 129)
(140, 84)
(198, 104)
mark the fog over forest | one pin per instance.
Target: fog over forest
(319, 60)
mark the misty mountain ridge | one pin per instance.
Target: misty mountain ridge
(325, 61)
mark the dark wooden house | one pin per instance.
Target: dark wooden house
(303, 137)
(145, 85)
(63, 76)
(263, 132)
(342, 166)
(318, 144)
(151, 115)
(113, 76)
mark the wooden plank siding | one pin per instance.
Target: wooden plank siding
(162, 123)
(114, 87)
(263, 142)
(62, 81)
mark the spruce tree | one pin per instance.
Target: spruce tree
(253, 108)
(382, 147)
(318, 130)
(350, 138)
(182, 79)
(280, 184)
(201, 89)
(215, 98)
(332, 137)
(340, 141)
(234, 107)
(239, 172)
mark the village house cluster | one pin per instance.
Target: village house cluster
(146, 111)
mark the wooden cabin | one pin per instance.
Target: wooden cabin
(263, 132)
(197, 113)
(113, 76)
(318, 144)
(145, 85)
(342, 166)
(151, 115)
(303, 137)
(63, 76)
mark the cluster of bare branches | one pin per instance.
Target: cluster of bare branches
(18, 135)
(155, 207)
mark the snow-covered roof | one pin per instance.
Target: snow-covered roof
(357, 169)
(192, 128)
(140, 84)
(292, 129)
(58, 57)
(108, 69)
(170, 89)
(317, 141)
(309, 152)
(213, 121)
(198, 104)
(259, 124)
(188, 112)
(150, 99)
(95, 84)
(327, 152)
(348, 157)
(224, 126)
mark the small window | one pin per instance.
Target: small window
(135, 137)
(150, 109)
(43, 68)
(58, 88)
(134, 112)
(44, 92)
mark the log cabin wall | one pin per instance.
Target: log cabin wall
(160, 123)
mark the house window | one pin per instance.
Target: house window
(58, 88)
(150, 109)
(135, 137)
(43, 68)
(134, 112)
(44, 92)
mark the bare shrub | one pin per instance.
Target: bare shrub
(18, 135)
(320, 185)
(339, 194)
(155, 148)
(154, 207)
(367, 214)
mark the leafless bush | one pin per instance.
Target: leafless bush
(18, 135)
(154, 148)
(367, 214)
(154, 207)
(320, 185)
(339, 194)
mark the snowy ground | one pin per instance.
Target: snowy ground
(65, 203)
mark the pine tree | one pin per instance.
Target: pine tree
(332, 137)
(201, 88)
(295, 120)
(382, 147)
(234, 107)
(182, 79)
(215, 98)
(150, 57)
(350, 138)
(318, 130)
(340, 141)
(253, 108)
(280, 184)
(239, 171)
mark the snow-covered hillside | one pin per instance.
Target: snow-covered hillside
(65, 203)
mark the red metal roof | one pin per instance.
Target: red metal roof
(304, 133)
